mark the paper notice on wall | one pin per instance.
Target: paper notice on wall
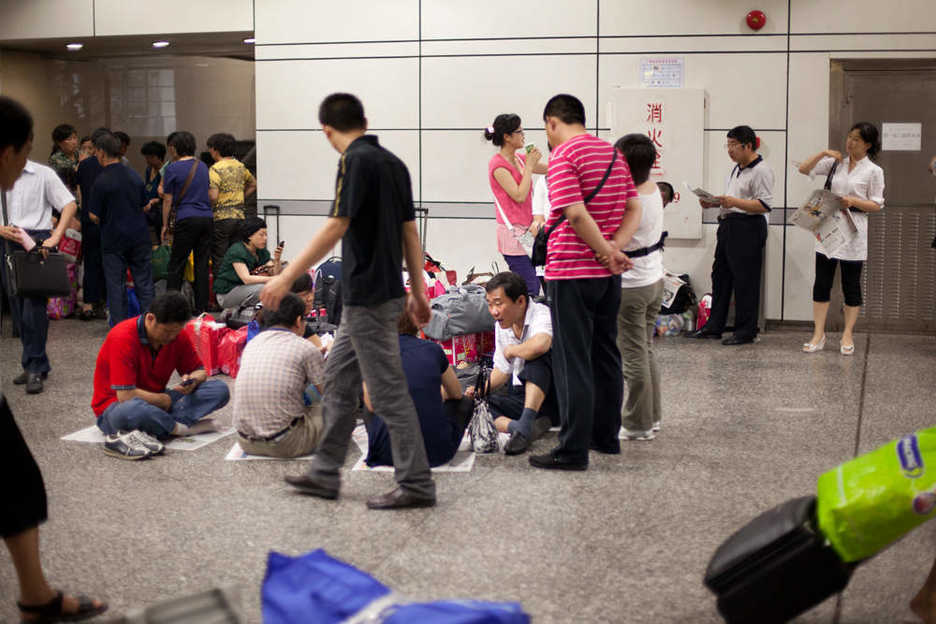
(901, 137)
(662, 72)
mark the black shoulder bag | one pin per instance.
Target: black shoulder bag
(29, 274)
(538, 255)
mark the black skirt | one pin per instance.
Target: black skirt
(25, 500)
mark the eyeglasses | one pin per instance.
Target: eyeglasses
(731, 144)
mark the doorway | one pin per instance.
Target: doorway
(898, 280)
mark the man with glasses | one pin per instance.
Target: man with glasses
(742, 233)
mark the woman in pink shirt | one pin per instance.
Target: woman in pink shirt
(510, 175)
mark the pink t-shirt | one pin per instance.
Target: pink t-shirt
(575, 169)
(520, 215)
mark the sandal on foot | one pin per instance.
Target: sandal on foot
(847, 349)
(52, 611)
(812, 347)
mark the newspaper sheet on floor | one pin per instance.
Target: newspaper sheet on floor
(186, 443)
(238, 454)
(823, 216)
(462, 462)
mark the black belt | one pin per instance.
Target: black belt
(738, 215)
(295, 421)
(646, 251)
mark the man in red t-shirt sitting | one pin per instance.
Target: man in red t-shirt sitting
(133, 405)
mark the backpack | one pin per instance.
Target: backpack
(684, 297)
(328, 289)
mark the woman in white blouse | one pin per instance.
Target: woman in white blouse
(860, 184)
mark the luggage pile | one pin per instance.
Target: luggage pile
(794, 556)
(461, 324)
(678, 310)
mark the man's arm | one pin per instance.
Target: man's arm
(747, 205)
(68, 212)
(497, 379)
(320, 244)
(213, 195)
(166, 208)
(629, 223)
(529, 349)
(416, 302)
(160, 399)
(586, 229)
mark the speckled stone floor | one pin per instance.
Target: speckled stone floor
(627, 541)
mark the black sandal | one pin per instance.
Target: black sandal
(86, 315)
(52, 610)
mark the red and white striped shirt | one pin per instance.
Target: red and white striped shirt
(575, 169)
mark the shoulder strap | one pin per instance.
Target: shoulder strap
(188, 181)
(591, 195)
(828, 180)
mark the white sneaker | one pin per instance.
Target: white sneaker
(627, 434)
(657, 426)
(146, 441)
(121, 445)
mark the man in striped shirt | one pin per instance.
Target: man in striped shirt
(595, 202)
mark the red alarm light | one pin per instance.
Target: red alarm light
(756, 19)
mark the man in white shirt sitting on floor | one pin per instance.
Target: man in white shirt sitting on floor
(523, 339)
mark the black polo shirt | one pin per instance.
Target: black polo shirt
(117, 200)
(88, 171)
(373, 190)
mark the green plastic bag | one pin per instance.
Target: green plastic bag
(161, 262)
(872, 501)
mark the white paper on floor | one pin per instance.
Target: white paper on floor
(462, 462)
(188, 443)
(238, 454)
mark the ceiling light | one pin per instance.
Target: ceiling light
(249, 40)
(74, 46)
(160, 44)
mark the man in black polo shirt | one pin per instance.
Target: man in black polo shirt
(742, 233)
(374, 218)
(92, 281)
(116, 204)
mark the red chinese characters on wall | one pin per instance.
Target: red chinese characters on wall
(655, 132)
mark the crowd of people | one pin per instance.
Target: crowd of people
(559, 360)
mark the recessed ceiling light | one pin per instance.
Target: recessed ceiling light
(160, 44)
(74, 46)
(249, 40)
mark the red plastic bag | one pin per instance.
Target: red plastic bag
(460, 349)
(206, 336)
(70, 245)
(230, 349)
(704, 311)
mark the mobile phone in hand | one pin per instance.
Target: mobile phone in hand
(281, 244)
(188, 382)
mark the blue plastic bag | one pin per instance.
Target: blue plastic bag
(314, 587)
(253, 328)
(458, 612)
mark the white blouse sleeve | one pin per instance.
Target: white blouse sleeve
(822, 168)
(876, 186)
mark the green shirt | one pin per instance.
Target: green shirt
(227, 278)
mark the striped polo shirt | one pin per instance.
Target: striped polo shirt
(575, 169)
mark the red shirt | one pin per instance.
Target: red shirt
(126, 361)
(575, 169)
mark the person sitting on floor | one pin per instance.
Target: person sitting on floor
(442, 409)
(273, 412)
(131, 400)
(522, 343)
(236, 284)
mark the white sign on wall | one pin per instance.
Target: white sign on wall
(901, 137)
(674, 119)
(662, 72)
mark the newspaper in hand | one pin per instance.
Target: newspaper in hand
(703, 194)
(823, 215)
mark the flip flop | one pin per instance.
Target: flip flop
(52, 610)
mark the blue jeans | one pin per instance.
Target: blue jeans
(29, 315)
(139, 260)
(187, 409)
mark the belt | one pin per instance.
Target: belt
(646, 251)
(738, 215)
(272, 438)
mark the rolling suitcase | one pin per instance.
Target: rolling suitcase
(776, 567)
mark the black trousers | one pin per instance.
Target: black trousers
(191, 235)
(226, 232)
(586, 364)
(825, 274)
(510, 402)
(25, 504)
(739, 257)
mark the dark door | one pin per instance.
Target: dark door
(898, 279)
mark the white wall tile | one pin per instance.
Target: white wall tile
(693, 257)
(470, 91)
(740, 88)
(683, 44)
(444, 19)
(289, 92)
(40, 19)
(123, 17)
(677, 17)
(299, 21)
(771, 285)
(336, 50)
(800, 272)
(809, 119)
(303, 165)
(296, 231)
(460, 244)
(863, 42)
(455, 165)
(509, 46)
(860, 16)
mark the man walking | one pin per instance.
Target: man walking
(593, 200)
(374, 218)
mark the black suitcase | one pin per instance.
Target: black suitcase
(776, 567)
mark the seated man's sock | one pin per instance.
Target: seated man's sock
(525, 424)
(205, 425)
